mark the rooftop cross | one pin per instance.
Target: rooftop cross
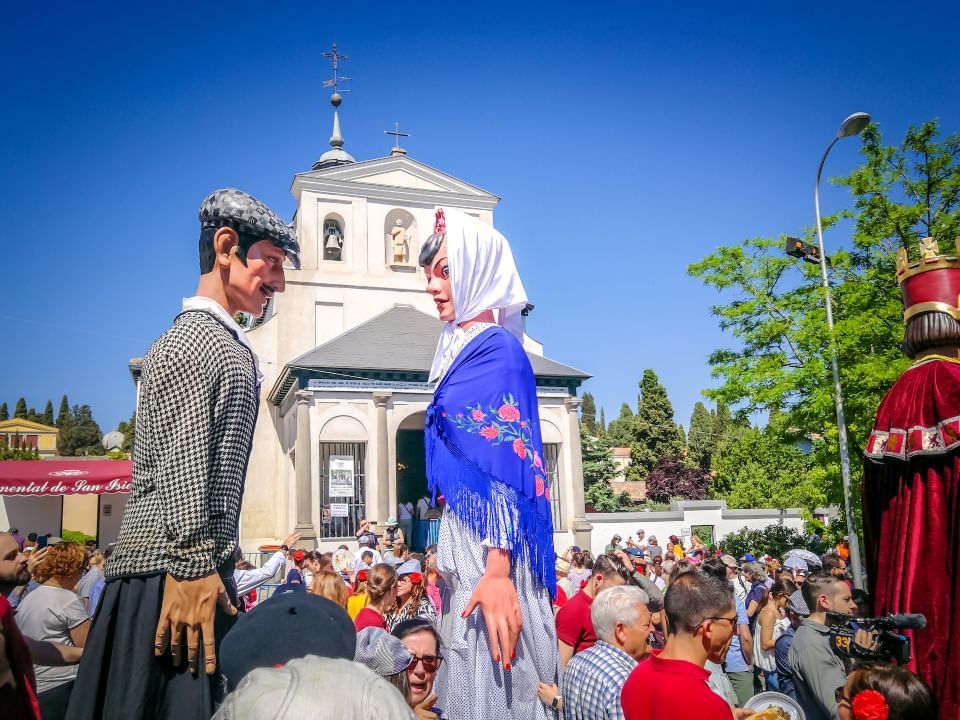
(397, 150)
(336, 155)
(335, 56)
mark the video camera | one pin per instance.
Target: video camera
(889, 645)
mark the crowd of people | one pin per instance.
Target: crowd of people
(637, 631)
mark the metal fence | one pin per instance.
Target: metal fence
(340, 514)
(551, 453)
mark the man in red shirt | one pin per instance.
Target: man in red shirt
(672, 684)
(574, 627)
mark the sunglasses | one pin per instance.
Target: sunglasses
(731, 620)
(430, 663)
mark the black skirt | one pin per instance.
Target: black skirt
(120, 677)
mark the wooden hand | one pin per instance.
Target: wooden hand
(497, 599)
(187, 612)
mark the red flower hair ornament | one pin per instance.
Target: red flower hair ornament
(870, 705)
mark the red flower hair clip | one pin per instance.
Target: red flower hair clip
(870, 705)
(440, 225)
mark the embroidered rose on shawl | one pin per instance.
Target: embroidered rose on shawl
(519, 448)
(490, 432)
(540, 485)
(546, 492)
(504, 424)
(870, 705)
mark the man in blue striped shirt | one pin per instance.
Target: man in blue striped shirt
(594, 678)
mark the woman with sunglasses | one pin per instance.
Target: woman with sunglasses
(412, 600)
(420, 637)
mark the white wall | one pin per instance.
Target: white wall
(681, 516)
(109, 517)
(42, 515)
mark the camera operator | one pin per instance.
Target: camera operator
(817, 670)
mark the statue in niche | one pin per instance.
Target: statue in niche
(332, 241)
(401, 245)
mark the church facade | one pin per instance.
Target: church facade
(346, 351)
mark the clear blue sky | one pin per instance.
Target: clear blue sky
(626, 143)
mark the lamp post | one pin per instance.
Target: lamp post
(852, 125)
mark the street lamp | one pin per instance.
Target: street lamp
(852, 125)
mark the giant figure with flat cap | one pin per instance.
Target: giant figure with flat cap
(911, 483)
(169, 596)
(485, 456)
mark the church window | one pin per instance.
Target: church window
(551, 455)
(332, 239)
(343, 463)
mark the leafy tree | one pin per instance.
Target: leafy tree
(671, 478)
(4, 412)
(775, 310)
(774, 540)
(620, 431)
(701, 441)
(588, 414)
(48, 413)
(20, 412)
(129, 429)
(654, 431)
(602, 427)
(80, 434)
(763, 470)
(598, 470)
(64, 414)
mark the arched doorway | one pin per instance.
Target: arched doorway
(412, 479)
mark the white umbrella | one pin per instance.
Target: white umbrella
(805, 555)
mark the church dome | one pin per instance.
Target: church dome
(113, 440)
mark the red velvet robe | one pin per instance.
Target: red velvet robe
(911, 518)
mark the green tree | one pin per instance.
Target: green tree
(20, 412)
(776, 306)
(48, 413)
(763, 470)
(620, 431)
(588, 414)
(682, 437)
(80, 434)
(64, 414)
(701, 441)
(128, 429)
(602, 427)
(654, 430)
(4, 412)
(598, 470)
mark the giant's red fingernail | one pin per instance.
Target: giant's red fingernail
(507, 667)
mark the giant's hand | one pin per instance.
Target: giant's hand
(188, 610)
(497, 598)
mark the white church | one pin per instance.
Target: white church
(346, 351)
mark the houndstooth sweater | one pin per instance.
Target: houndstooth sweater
(195, 420)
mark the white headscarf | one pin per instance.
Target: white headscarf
(483, 276)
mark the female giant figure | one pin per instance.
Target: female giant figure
(485, 457)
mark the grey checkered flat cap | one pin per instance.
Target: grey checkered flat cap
(244, 213)
(381, 652)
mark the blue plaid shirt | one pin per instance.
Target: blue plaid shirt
(593, 681)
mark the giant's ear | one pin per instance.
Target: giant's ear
(225, 241)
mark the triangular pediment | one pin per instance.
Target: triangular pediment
(397, 172)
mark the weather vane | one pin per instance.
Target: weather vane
(336, 56)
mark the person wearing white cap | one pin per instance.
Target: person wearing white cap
(412, 600)
(485, 456)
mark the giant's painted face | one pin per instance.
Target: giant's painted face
(250, 285)
(438, 284)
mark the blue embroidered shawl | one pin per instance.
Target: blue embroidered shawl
(484, 452)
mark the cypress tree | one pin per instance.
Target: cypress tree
(48, 413)
(21, 409)
(588, 414)
(4, 412)
(620, 432)
(655, 431)
(701, 439)
(602, 427)
(64, 414)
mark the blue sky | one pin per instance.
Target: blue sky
(626, 143)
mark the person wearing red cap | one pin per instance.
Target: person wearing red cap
(295, 575)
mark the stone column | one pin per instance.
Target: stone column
(381, 399)
(304, 472)
(580, 527)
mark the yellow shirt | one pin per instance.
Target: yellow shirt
(356, 603)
